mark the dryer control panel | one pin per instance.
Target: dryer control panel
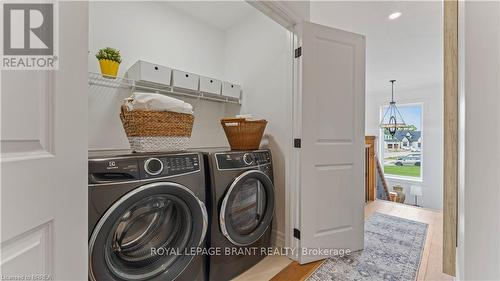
(242, 160)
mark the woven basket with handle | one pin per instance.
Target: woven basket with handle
(243, 134)
(149, 131)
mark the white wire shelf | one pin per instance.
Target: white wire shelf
(97, 79)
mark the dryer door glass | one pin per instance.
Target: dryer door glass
(247, 209)
(148, 233)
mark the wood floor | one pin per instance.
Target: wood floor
(266, 269)
(279, 268)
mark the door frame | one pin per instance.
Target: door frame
(451, 120)
(287, 18)
(279, 12)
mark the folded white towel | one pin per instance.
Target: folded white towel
(248, 117)
(157, 102)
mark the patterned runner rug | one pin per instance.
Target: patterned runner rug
(393, 249)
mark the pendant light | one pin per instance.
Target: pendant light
(392, 119)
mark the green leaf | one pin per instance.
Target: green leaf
(109, 53)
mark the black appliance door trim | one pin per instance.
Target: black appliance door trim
(97, 260)
(265, 222)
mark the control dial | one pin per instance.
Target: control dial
(153, 166)
(248, 158)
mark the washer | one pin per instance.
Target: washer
(147, 217)
(241, 211)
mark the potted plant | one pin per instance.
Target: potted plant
(109, 60)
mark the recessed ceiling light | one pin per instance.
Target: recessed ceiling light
(395, 15)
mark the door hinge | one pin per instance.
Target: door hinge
(297, 143)
(298, 52)
(296, 233)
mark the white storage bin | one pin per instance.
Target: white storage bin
(144, 71)
(231, 90)
(210, 85)
(185, 80)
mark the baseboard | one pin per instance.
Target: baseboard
(277, 238)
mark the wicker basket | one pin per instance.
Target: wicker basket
(149, 131)
(243, 134)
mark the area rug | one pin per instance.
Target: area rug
(393, 249)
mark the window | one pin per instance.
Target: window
(402, 153)
(406, 143)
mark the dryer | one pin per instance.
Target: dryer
(147, 217)
(241, 211)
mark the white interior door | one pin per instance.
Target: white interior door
(331, 165)
(44, 160)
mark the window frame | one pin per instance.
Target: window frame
(381, 150)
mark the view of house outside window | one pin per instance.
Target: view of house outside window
(402, 153)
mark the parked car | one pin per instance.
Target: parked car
(408, 160)
(415, 149)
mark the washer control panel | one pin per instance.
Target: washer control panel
(153, 166)
(133, 167)
(170, 165)
(240, 160)
(113, 170)
(249, 158)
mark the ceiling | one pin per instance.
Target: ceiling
(408, 49)
(219, 14)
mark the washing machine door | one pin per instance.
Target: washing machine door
(247, 208)
(148, 234)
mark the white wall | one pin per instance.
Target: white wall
(479, 209)
(256, 52)
(156, 32)
(431, 98)
(259, 56)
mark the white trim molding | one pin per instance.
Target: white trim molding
(278, 11)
